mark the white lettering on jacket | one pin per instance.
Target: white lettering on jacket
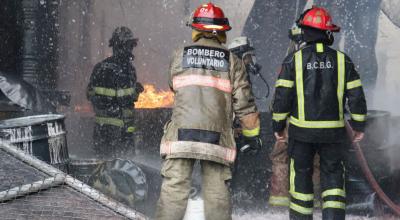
(319, 65)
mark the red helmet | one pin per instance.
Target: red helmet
(318, 18)
(209, 17)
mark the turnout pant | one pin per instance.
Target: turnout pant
(176, 185)
(279, 183)
(111, 142)
(301, 160)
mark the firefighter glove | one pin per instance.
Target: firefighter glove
(252, 145)
(139, 88)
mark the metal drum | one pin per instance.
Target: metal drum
(83, 169)
(42, 136)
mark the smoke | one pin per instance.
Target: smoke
(388, 54)
(388, 85)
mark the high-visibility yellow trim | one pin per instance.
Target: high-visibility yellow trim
(341, 83)
(252, 132)
(284, 83)
(131, 129)
(292, 187)
(300, 121)
(333, 205)
(279, 116)
(125, 92)
(333, 192)
(109, 121)
(112, 92)
(301, 209)
(299, 83)
(302, 196)
(105, 91)
(316, 124)
(320, 48)
(279, 201)
(353, 84)
(358, 117)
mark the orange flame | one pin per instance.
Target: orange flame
(151, 98)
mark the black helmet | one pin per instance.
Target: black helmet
(122, 35)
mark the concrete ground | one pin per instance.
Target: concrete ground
(283, 215)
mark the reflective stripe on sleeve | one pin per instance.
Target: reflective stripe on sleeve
(301, 209)
(333, 205)
(354, 84)
(333, 192)
(252, 132)
(198, 80)
(279, 116)
(109, 121)
(284, 83)
(358, 117)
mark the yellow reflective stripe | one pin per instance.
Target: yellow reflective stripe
(279, 116)
(301, 209)
(131, 129)
(292, 187)
(358, 117)
(333, 205)
(110, 121)
(279, 201)
(113, 92)
(316, 124)
(320, 47)
(302, 196)
(299, 83)
(251, 132)
(334, 192)
(354, 84)
(105, 91)
(284, 83)
(341, 82)
(125, 92)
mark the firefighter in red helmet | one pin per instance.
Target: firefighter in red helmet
(312, 89)
(211, 87)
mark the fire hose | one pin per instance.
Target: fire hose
(368, 174)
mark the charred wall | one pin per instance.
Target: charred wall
(10, 35)
(28, 40)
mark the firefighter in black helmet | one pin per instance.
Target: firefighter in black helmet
(311, 92)
(112, 90)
